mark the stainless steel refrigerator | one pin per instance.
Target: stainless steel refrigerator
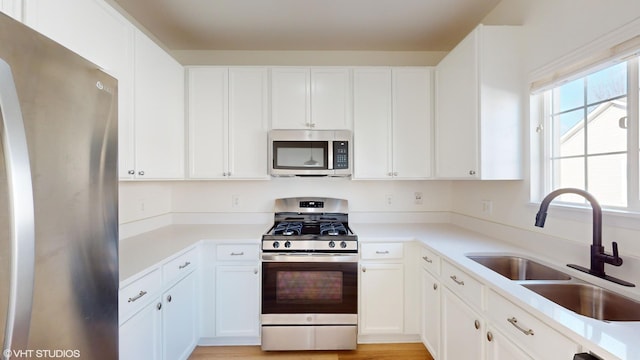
(58, 201)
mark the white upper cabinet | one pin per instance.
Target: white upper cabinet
(479, 107)
(159, 114)
(310, 98)
(228, 122)
(392, 123)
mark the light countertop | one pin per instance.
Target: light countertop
(452, 243)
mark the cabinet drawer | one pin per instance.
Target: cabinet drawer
(240, 252)
(462, 284)
(180, 266)
(381, 251)
(430, 261)
(134, 296)
(536, 338)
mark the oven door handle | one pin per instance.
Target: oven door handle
(309, 257)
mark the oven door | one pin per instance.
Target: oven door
(310, 287)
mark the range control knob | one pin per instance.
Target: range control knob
(287, 244)
(276, 244)
(343, 244)
(332, 244)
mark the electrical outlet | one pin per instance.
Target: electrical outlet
(417, 198)
(389, 199)
(235, 200)
(487, 207)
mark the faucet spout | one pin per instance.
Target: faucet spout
(541, 217)
(597, 253)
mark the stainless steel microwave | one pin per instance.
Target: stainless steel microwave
(310, 153)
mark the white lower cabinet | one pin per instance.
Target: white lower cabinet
(237, 294)
(381, 300)
(430, 324)
(462, 329)
(237, 300)
(179, 319)
(381, 289)
(499, 347)
(140, 336)
(165, 328)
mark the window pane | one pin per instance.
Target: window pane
(568, 96)
(606, 131)
(608, 179)
(607, 83)
(569, 173)
(569, 134)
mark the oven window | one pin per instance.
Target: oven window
(300, 154)
(309, 288)
(306, 287)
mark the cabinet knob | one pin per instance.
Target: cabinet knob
(395, 173)
(159, 306)
(168, 298)
(131, 172)
(489, 336)
(141, 173)
(364, 269)
(255, 271)
(476, 324)
(390, 174)
(435, 286)
(472, 172)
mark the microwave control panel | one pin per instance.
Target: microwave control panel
(340, 155)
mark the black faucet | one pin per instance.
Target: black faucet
(598, 256)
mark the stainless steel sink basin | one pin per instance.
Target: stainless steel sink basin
(589, 300)
(518, 268)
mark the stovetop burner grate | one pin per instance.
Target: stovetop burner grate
(288, 228)
(333, 229)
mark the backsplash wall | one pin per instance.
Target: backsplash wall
(143, 200)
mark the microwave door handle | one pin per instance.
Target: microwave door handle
(329, 155)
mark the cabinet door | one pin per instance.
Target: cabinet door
(330, 98)
(179, 319)
(248, 124)
(140, 336)
(290, 92)
(499, 347)
(456, 130)
(381, 298)
(462, 329)
(372, 123)
(412, 138)
(430, 314)
(159, 112)
(237, 300)
(208, 113)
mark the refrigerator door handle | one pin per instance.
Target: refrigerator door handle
(21, 213)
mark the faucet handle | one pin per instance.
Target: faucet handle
(616, 261)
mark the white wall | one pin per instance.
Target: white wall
(553, 29)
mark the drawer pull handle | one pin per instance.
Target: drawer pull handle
(455, 280)
(425, 258)
(382, 252)
(514, 322)
(237, 254)
(184, 265)
(141, 294)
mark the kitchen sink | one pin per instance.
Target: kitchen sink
(589, 300)
(518, 268)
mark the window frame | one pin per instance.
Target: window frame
(542, 138)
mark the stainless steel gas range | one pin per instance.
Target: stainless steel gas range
(309, 277)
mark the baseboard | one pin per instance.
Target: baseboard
(389, 338)
(230, 341)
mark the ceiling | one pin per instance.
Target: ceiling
(367, 25)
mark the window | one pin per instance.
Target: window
(591, 136)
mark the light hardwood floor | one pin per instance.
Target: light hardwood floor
(412, 351)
